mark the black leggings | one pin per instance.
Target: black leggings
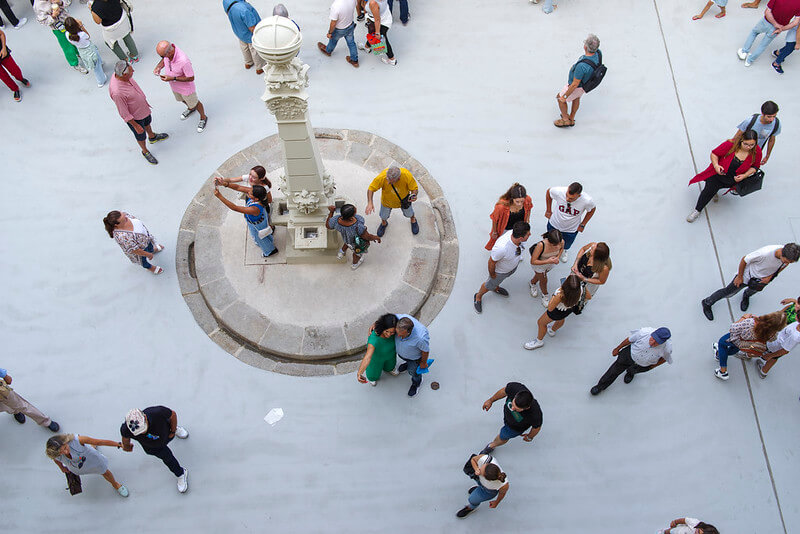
(8, 13)
(384, 31)
(712, 185)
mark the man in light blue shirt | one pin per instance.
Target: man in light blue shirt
(243, 18)
(765, 124)
(412, 343)
(11, 402)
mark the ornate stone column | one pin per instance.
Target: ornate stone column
(308, 189)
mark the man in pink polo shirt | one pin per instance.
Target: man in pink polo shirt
(179, 74)
(133, 107)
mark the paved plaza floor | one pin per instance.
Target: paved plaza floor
(88, 336)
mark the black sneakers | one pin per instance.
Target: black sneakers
(745, 303)
(464, 512)
(19, 418)
(707, 310)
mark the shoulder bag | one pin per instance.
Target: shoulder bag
(757, 285)
(405, 203)
(74, 483)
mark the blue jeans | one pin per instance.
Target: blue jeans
(347, 33)
(548, 6)
(764, 27)
(416, 379)
(725, 348)
(569, 237)
(788, 48)
(267, 244)
(479, 495)
(145, 263)
(403, 10)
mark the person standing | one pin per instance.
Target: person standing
(766, 125)
(353, 230)
(643, 350)
(749, 335)
(243, 18)
(593, 265)
(503, 262)
(133, 237)
(412, 343)
(404, 14)
(580, 73)
(381, 355)
(398, 191)
(154, 428)
(255, 213)
(513, 206)
(133, 108)
(342, 25)
(756, 270)
(79, 455)
(777, 18)
(570, 203)
(492, 482)
(570, 298)
(689, 525)
(520, 412)
(116, 22)
(719, 3)
(52, 15)
(790, 46)
(15, 22)
(787, 339)
(9, 68)
(87, 50)
(544, 256)
(179, 74)
(13, 403)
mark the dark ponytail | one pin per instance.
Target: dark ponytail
(72, 28)
(110, 221)
(706, 528)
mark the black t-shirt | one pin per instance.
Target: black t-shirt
(109, 11)
(515, 217)
(520, 421)
(158, 428)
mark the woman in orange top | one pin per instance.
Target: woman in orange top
(515, 205)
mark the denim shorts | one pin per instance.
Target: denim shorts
(506, 433)
(386, 212)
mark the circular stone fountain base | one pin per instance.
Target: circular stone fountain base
(313, 319)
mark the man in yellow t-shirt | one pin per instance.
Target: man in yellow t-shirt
(398, 190)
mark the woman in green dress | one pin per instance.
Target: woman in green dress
(381, 355)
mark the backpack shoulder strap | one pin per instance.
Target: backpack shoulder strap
(752, 122)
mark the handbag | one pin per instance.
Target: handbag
(750, 184)
(74, 483)
(757, 285)
(265, 232)
(361, 245)
(405, 203)
(469, 471)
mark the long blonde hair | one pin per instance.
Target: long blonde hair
(54, 444)
(766, 326)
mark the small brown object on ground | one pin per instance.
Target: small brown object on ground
(434, 385)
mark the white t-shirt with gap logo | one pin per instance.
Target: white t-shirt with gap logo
(762, 263)
(567, 216)
(343, 11)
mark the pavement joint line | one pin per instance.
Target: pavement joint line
(719, 266)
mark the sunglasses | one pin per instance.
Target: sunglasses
(519, 250)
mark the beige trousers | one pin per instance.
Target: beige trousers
(14, 404)
(250, 55)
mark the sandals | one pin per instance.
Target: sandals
(563, 123)
(157, 270)
(158, 248)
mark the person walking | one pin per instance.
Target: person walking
(786, 340)
(749, 335)
(412, 343)
(178, 73)
(133, 107)
(730, 165)
(12, 19)
(503, 262)
(404, 14)
(544, 256)
(154, 428)
(756, 270)
(243, 18)
(353, 230)
(133, 237)
(777, 18)
(593, 265)
(255, 212)
(492, 482)
(791, 44)
(766, 125)
(88, 52)
(513, 206)
(51, 14)
(9, 68)
(381, 355)
(13, 403)
(570, 298)
(379, 21)
(79, 455)
(580, 73)
(342, 24)
(570, 204)
(398, 191)
(689, 525)
(719, 3)
(643, 350)
(116, 22)
(521, 413)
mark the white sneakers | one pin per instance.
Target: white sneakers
(692, 217)
(715, 348)
(534, 344)
(181, 432)
(719, 374)
(564, 256)
(545, 300)
(388, 61)
(183, 481)
(550, 331)
(356, 265)
(340, 255)
(742, 54)
(394, 372)
(534, 289)
(760, 362)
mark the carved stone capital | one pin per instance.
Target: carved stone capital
(287, 107)
(305, 201)
(328, 185)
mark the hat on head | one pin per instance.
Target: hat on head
(136, 422)
(661, 335)
(120, 67)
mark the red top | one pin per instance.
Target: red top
(784, 10)
(725, 162)
(500, 215)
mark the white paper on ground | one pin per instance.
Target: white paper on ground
(274, 415)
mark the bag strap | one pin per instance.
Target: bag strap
(230, 6)
(395, 192)
(752, 122)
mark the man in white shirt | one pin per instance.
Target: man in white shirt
(643, 350)
(756, 270)
(503, 261)
(570, 204)
(787, 339)
(342, 25)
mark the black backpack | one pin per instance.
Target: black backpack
(598, 73)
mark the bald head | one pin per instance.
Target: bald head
(165, 49)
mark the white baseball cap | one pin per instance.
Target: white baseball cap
(136, 422)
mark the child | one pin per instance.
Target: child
(87, 50)
(720, 3)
